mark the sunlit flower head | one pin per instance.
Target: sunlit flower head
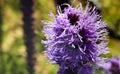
(75, 37)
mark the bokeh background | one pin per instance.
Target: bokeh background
(12, 47)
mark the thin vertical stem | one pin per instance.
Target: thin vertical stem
(29, 35)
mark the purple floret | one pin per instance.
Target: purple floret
(113, 66)
(83, 69)
(75, 37)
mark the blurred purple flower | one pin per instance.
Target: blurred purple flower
(75, 37)
(113, 66)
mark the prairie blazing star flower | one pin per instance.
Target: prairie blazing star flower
(85, 69)
(75, 38)
(113, 66)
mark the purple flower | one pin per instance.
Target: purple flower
(84, 69)
(75, 37)
(113, 66)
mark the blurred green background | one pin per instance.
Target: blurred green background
(13, 50)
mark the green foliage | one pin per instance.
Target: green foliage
(13, 4)
(99, 71)
(12, 64)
